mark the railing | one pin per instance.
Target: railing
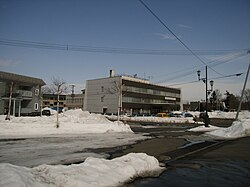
(25, 93)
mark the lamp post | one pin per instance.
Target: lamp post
(207, 93)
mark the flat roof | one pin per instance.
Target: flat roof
(136, 80)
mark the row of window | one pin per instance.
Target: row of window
(147, 101)
(74, 100)
(150, 91)
(54, 98)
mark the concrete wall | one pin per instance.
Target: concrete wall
(98, 95)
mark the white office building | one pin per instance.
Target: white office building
(129, 94)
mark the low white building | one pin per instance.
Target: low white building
(132, 95)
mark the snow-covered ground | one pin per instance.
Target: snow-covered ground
(225, 115)
(153, 119)
(39, 141)
(238, 129)
(71, 122)
(92, 172)
(85, 131)
(182, 119)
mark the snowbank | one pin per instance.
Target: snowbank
(151, 119)
(71, 122)
(236, 130)
(93, 172)
(229, 115)
(204, 129)
(182, 119)
(225, 115)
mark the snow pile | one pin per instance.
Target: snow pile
(79, 116)
(204, 129)
(155, 119)
(236, 130)
(93, 172)
(225, 115)
(71, 122)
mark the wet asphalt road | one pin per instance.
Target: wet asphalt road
(220, 163)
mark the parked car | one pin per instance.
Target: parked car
(186, 115)
(162, 115)
(174, 114)
(180, 114)
(46, 112)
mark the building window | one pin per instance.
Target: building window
(36, 106)
(102, 98)
(102, 88)
(36, 92)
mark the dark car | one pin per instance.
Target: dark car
(46, 112)
(186, 115)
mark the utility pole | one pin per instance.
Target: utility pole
(241, 98)
(10, 98)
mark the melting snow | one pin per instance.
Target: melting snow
(93, 172)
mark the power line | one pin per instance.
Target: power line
(96, 49)
(215, 78)
(165, 25)
(192, 70)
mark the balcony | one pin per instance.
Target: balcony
(25, 93)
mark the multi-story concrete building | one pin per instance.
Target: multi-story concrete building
(131, 94)
(50, 101)
(26, 94)
(74, 101)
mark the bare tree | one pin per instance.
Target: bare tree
(215, 99)
(60, 87)
(57, 87)
(246, 98)
(116, 89)
(48, 89)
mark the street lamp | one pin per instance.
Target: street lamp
(207, 93)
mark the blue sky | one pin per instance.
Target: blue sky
(208, 25)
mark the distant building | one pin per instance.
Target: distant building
(74, 101)
(26, 93)
(135, 95)
(50, 101)
(70, 101)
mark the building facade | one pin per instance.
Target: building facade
(50, 101)
(74, 101)
(131, 94)
(68, 102)
(23, 91)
